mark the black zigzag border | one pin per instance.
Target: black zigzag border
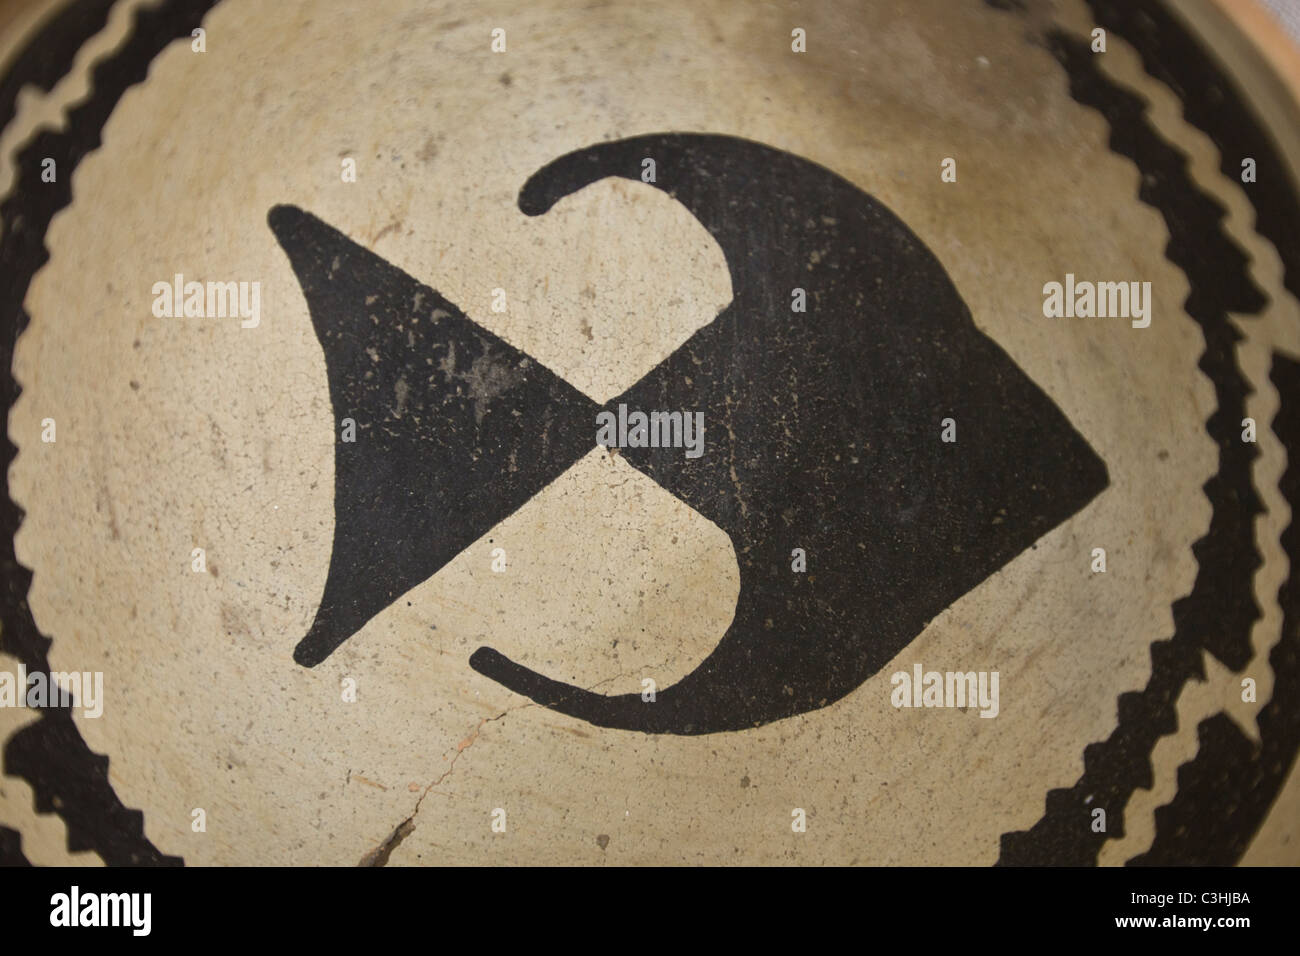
(67, 777)
(1225, 792)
